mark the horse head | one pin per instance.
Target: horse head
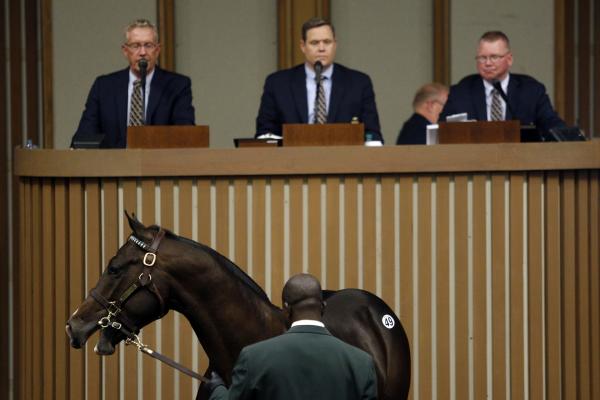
(128, 296)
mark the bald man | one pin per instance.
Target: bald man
(306, 362)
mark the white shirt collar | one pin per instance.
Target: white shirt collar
(504, 83)
(310, 73)
(133, 77)
(311, 322)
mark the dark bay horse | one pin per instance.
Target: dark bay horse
(156, 271)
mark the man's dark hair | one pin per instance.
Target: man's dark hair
(302, 291)
(315, 23)
(492, 36)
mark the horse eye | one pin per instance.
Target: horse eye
(113, 270)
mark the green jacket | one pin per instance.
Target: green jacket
(306, 362)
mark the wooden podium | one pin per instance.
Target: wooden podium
(167, 136)
(479, 132)
(323, 134)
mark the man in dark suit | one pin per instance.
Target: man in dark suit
(306, 362)
(290, 96)
(427, 105)
(477, 96)
(168, 96)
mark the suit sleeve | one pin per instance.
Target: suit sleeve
(370, 392)
(268, 120)
(183, 110)
(546, 118)
(90, 119)
(240, 388)
(370, 117)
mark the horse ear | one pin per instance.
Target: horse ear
(136, 226)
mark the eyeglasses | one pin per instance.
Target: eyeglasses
(138, 46)
(493, 58)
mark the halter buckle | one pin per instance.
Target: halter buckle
(104, 322)
(113, 309)
(149, 259)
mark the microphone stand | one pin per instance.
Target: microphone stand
(143, 65)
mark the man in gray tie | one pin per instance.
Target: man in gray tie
(294, 96)
(117, 100)
(481, 95)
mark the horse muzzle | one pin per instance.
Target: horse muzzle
(79, 331)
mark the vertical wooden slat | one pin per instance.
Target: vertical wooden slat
(583, 66)
(351, 232)
(48, 287)
(333, 232)
(149, 365)
(47, 74)
(441, 41)
(94, 384)
(222, 224)
(76, 281)
(22, 296)
(277, 240)
(61, 342)
(131, 353)
(461, 301)
(31, 69)
(16, 75)
(569, 288)
(258, 231)
(594, 199)
(186, 334)
(167, 345)
(596, 73)
(296, 212)
(241, 223)
(388, 240)
(37, 371)
(442, 289)
(479, 287)
(552, 215)
(314, 226)
(583, 284)
(499, 229)
(204, 230)
(111, 244)
(535, 286)
(4, 233)
(166, 26)
(516, 287)
(369, 234)
(406, 313)
(424, 285)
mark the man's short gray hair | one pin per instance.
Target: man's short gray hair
(141, 23)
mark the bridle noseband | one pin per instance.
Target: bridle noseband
(115, 317)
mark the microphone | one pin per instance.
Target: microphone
(498, 86)
(143, 66)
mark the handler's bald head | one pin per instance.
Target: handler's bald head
(302, 297)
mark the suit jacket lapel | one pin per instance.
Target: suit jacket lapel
(299, 93)
(121, 102)
(479, 101)
(512, 95)
(156, 89)
(338, 85)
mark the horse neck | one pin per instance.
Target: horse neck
(225, 312)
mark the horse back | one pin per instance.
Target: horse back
(362, 319)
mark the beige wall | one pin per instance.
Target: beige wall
(228, 48)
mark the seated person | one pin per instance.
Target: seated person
(290, 96)
(427, 105)
(477, 96)
(109, 110)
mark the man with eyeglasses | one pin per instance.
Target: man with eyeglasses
(293, 96)
(480, 97)
(117, 100)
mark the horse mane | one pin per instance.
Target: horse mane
(222, 260)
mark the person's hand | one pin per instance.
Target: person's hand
(215, 381)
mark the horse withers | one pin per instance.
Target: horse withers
(156, 271)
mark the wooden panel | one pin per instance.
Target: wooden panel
(332, 233)
(149, 365)
(31, 44)
(442, 288)
(166, 27)
(369, 234)
(583, 68)
(222, 223)
(277, 240)
(4, 232)
(258, 231)
(204, 233)
(167, 323)
(36, 370)
(594, 219)
(553, 288)
(517, 345)
(131, 353)
(314, 227)
(499, 285)
(569, 288)
(441, 41)
(185, 332)
(479, 273)
(406, 313)
(47, 94)
(351, 231)
(388, 240)
(296, 208)
(241, 223)
(461, 291)
(583, 284)
(535, 286)
(424, 266)
(48, 290)
(596, 74)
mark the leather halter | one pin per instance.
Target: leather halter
(116, 318)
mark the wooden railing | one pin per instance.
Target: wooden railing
(488, 254)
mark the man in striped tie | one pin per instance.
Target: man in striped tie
(118, 100)
(496, 94)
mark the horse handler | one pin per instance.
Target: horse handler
(306, 362)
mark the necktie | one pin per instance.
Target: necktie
(136, 115)
(320, 104)
(496, 108)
